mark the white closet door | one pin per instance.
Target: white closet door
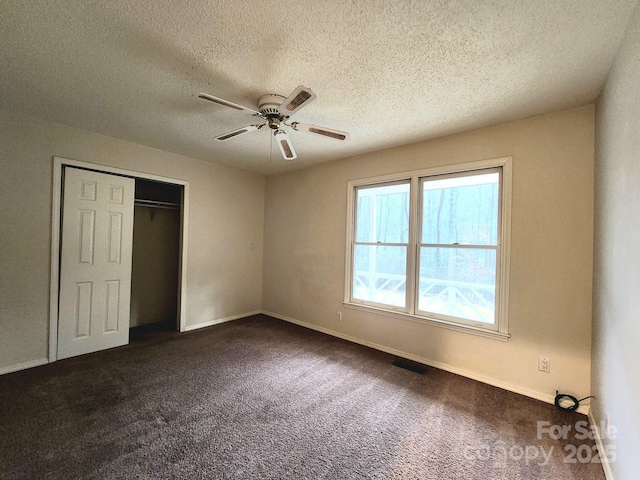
(95, 262)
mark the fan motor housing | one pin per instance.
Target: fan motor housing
(268, 105)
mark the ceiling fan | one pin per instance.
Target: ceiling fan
(275, 110)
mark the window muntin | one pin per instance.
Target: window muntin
(453, 271)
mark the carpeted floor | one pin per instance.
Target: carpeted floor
(261, 398)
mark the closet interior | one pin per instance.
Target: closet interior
(156, 256)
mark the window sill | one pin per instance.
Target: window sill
(430, 321)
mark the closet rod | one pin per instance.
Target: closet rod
(156, 204)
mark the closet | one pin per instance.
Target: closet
(156, 255)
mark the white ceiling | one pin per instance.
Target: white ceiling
(388, 72)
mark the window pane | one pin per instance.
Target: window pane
(461, 210)
(383, 214)
(379, 274)
(458, 282)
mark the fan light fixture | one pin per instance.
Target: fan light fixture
(275, 110)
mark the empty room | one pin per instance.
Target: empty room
(320, 239)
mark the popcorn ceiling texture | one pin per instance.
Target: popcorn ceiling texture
(390, 73)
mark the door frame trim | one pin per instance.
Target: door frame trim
(58, 165)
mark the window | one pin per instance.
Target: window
(433, 245)
(381, 244)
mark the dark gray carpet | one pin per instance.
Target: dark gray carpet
(260, 398)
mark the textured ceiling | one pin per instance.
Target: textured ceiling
(390, 73)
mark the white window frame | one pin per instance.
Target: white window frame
(499, 329)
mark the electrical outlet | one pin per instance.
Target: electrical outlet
(339, 316)
(544, 365)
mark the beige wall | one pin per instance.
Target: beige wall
(616, 306)
(551, 253)
(226, 214)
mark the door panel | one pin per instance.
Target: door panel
(95, 262)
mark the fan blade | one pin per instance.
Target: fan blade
(324, 131)
(226, 103)
(239, 131)
(300, 97)
(286, 148)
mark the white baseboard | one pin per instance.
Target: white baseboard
(606, 466)
(217, 321)
(23, 366)
(584, 409)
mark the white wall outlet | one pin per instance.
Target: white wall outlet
(339, 316)
(544, 365)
